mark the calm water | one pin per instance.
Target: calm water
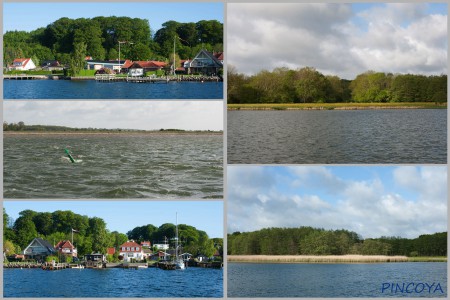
(90, 89)
(151, 282)
(333, 280)
(113, 166)
(318, 137)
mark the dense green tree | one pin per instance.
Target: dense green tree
(139, 51)
(312, 241)
(308, 85)
(24, 231)
(77, 60)
(311, 85)
(99, 233)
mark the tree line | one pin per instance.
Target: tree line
(92, 234)
(99, 37)
(307, 85)
(314, 241)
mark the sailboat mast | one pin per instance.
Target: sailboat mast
(176, 232)
(174, 55)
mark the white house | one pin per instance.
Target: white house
(161, 246)
(65, 247)
(23, 64)
(131, 250)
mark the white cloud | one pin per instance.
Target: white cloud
(398, 38)
(261, 197)
(188, 115)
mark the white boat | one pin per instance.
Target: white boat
(77, 267)
(179, 263)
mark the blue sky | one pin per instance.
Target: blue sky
(123, 216)
(30, 16)
(373, 201)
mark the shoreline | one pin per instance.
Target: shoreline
(124, 133)
(336, 106)
(312, 259)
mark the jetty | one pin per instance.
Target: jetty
(24, 77)
(54, 266)
(148, 79)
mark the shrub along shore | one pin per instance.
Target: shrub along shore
(336, 106)
(351, 258)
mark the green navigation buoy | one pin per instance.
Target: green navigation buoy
(70, 156)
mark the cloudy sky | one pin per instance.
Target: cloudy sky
(148, 115)
(338, 39)
(123, 216)
(373, 201)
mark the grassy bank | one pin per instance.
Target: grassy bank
(427, 259)
(329, 259)
(335, 106)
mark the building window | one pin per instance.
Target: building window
(128, 248)
(132, 248)
(123, 248)
(137, 248)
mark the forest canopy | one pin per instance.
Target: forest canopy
(307, 85)
(101, 36)
(92, 233)
(314, 241)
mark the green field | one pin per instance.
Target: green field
(336, 106)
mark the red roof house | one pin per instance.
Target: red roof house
(23, 64)
(65, 247)
(146, 244)
(131, 250)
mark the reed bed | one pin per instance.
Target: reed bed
(316, 259)
(335, 106)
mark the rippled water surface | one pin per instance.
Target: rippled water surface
(113, 166)
(318, 137)
(90, 89)
(148, 283)
(336, 280)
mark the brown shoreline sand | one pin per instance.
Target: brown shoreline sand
(124, 133)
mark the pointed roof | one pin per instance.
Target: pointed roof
(42, 243)
(64, 244)
(22, 61)
(208, 54)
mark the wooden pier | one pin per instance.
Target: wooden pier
(54, 266)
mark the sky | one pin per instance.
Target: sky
(337, 38)
(123, 216)
(146, 115)
(372, 201)
(29, 16)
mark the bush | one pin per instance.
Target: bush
(50, 258)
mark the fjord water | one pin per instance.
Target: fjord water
(334, 280)
(90, 89)
(332, 136)
(124, 283)
(113, 166)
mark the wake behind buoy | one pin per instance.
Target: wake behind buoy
(70, 156)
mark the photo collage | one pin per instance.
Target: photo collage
(224, 149)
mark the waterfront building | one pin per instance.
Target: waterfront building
(131, 251)
(23, 64)
(39, 249)
(66, 248)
